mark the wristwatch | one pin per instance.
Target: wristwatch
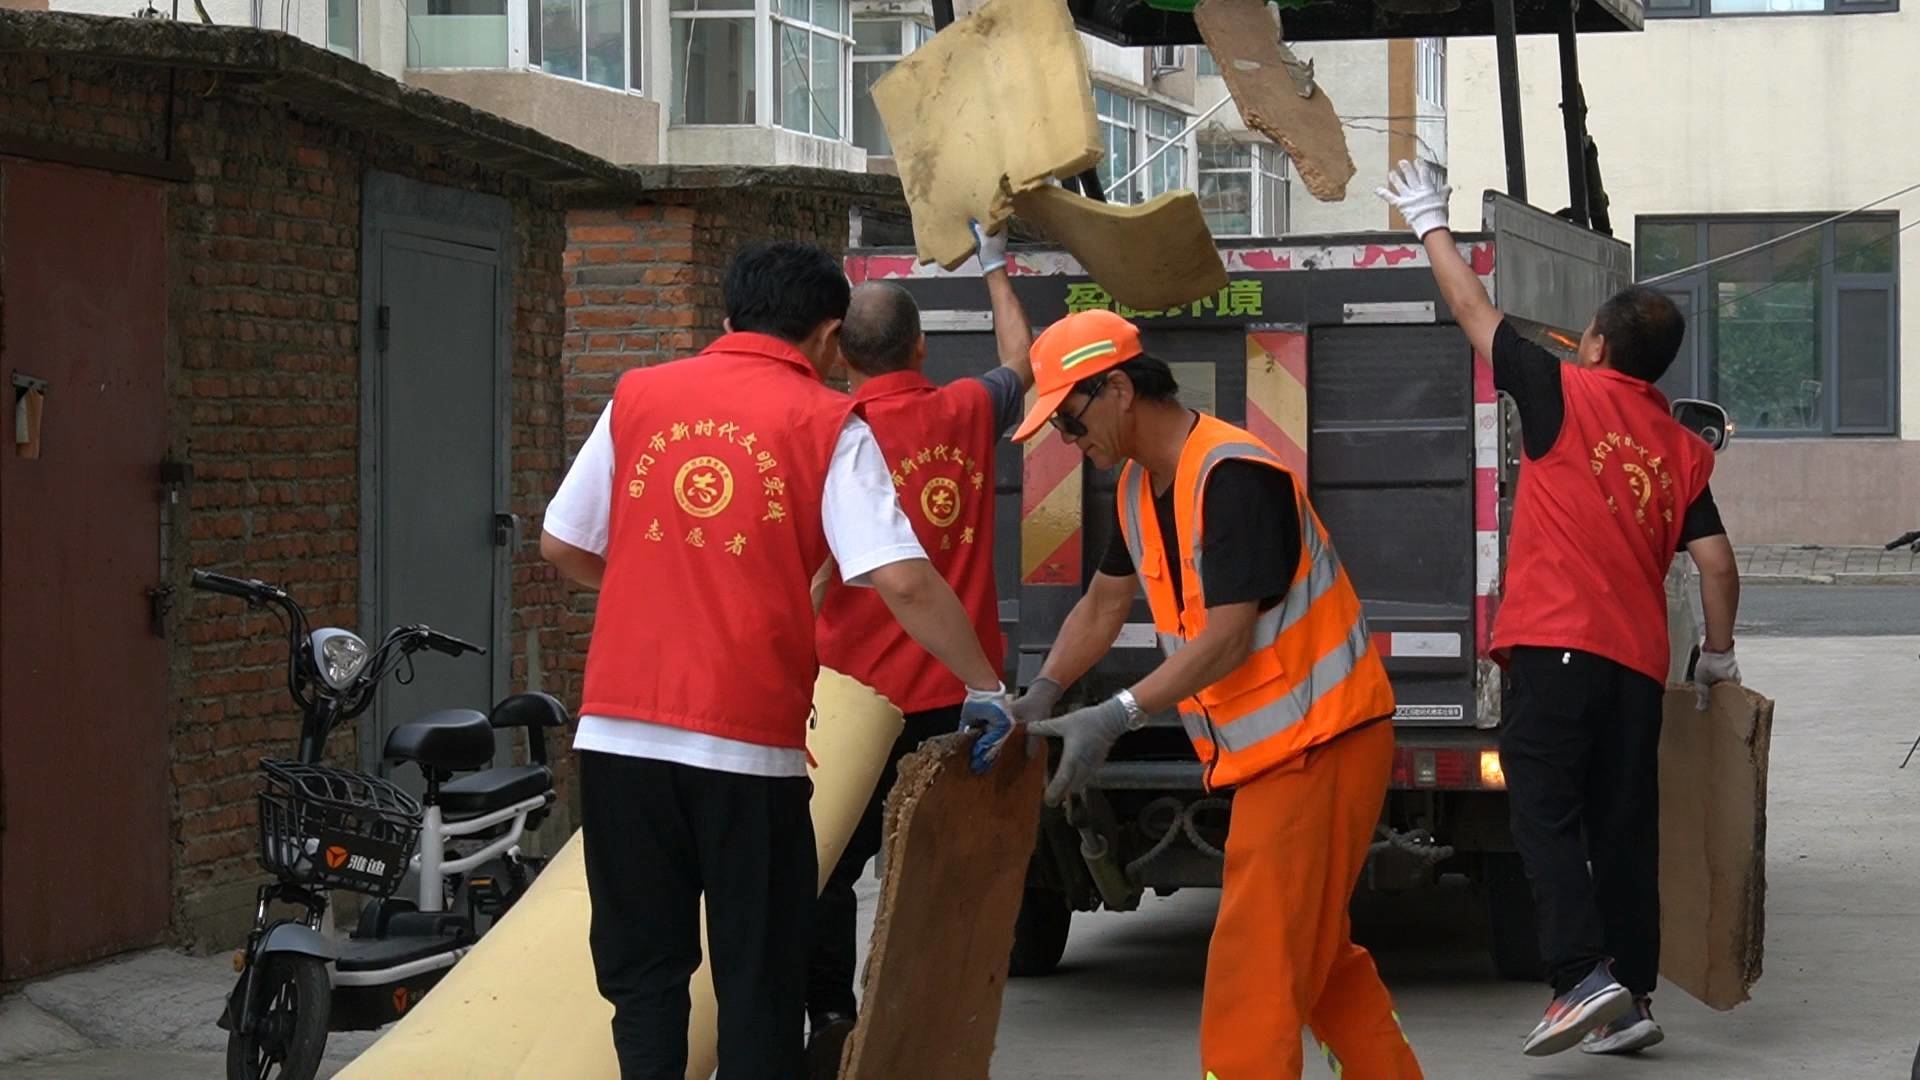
(1136, 716)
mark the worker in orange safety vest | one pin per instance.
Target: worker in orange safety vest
(1270, 667)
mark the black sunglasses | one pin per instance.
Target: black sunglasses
(1072, 426)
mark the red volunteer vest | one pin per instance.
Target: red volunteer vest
(939, 442)
(705, 620)
(1596, 523)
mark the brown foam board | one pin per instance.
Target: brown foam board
(1246, 45)
(997, 103)
(1713, 842)
(1153, 256)
(956, 864)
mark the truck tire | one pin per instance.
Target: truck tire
(1512, 941)
(1040, 933)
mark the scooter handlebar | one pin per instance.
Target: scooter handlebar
(209, 581)
(447, 643)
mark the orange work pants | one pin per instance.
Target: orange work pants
(1283, 956)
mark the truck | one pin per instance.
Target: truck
(1339, 352)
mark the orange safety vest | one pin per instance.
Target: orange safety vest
(1313, 672)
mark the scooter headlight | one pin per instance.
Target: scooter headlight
(339, 655)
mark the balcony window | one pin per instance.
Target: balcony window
(1117, 134)
(810, 70)
(343, 27)
(593, 41)
(1168, 172)
(1243, 188)
(878, 44)
(713, 62)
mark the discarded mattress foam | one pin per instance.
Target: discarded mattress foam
(523, 1005)
(996, 104)
(1713, 842)
(1152, 257)
(1245, 42)
(957, 847)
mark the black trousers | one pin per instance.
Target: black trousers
(658, 836)
(830, 967)
(1580, 744)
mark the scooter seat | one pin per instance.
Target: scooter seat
(451, 740)
(494, 789)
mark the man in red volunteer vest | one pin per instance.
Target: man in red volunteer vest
(939, 442)
(708, 496)
(1612, 486)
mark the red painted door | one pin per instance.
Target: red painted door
(84, 841)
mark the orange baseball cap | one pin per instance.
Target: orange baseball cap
(1083, 344)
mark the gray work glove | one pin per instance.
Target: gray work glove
(1037, 703)
(1089, 736)
(991, 247)
(1418, 189)
(1713, 667)
(986, 711)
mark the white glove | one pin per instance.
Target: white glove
(1418, 189)
(992, 247)
(1714, 667)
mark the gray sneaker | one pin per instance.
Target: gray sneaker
(1630, 1034)
(1597, 1001)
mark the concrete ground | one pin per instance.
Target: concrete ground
(1842, 962)
(1787, 564)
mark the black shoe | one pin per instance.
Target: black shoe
(826, 1043)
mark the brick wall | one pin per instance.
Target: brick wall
(264, 382)
(643, 287)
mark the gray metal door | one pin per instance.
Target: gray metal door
(434, 468)
(1390, 410)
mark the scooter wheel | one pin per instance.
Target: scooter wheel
(291, 1032)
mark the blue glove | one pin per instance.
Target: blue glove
(987, 712)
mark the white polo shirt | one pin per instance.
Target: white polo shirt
(865, 527)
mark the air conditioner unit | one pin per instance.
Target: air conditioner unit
(1164, 59)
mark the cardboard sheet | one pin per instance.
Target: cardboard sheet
(1245, 42)
(996, 104)
(1713, 842)
(523, 1005)
(1153, 256)
(956, 865)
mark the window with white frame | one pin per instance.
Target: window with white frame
(1204, 63)
(878, 44)
(1243, 188)
(343, 27)
(1116, 134)
(810, 69)
(1430, 97)
(713, 43)
(594, 41)
(1162, 127)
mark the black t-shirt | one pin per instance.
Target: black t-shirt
(1252, 545)
(1531, 376)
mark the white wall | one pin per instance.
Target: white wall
(1716, 115)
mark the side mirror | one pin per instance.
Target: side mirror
(1705, 419)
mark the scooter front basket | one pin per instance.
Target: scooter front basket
(335, 828)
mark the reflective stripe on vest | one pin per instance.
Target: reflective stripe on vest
(1323, 573)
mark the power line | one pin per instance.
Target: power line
(1764, 244)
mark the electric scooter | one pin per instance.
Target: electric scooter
(323, 827)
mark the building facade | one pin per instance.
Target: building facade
(788, 82)
(1765, 118)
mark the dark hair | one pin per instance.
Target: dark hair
(1152, 379)
(1643, 330)
(882, 327)
(784, 289)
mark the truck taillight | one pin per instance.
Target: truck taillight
(1448, 768)
(1492, 776)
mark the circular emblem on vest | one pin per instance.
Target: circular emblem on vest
(940, 501)
(703, 487)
